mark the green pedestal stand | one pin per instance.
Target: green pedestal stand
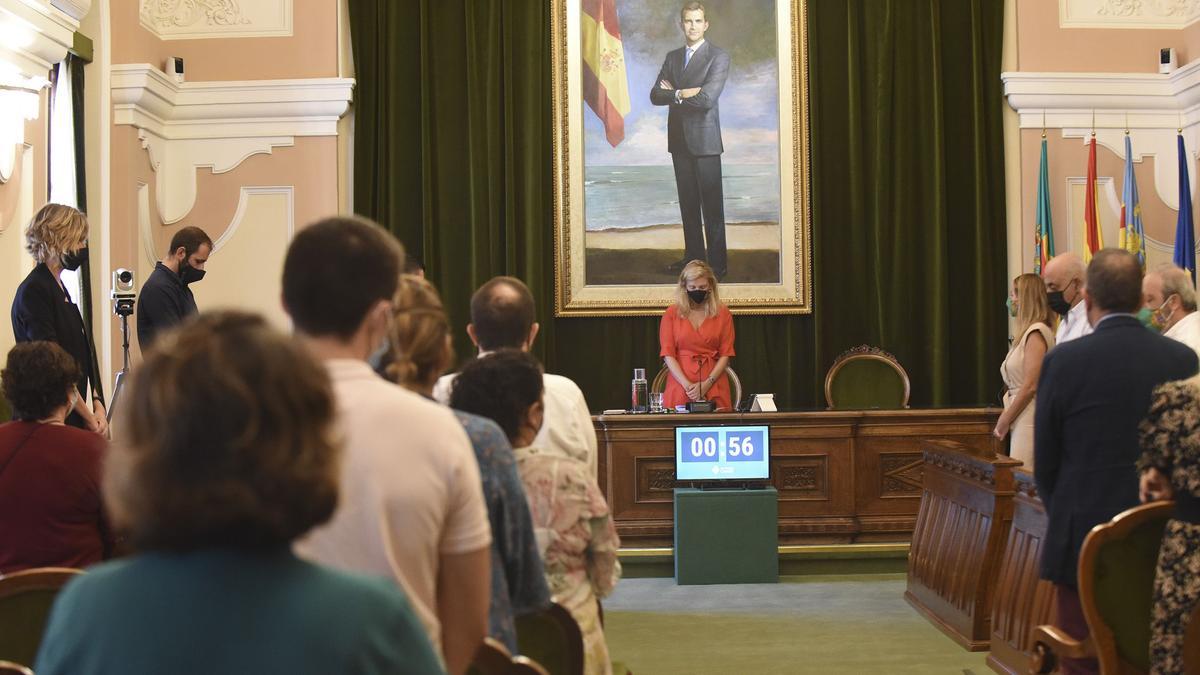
(726, 536)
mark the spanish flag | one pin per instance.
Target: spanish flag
(605, 85)
(1091, 214)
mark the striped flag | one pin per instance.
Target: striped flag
(1132, 236)
(1185, 232)
(1091, 212)
(605, 84)
(1043, 234)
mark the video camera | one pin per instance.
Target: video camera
(124, 292)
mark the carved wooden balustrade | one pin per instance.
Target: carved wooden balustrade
(962, 526)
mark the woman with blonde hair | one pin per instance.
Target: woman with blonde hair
(420, 352)
(695, 338)
(42, 308)
(1023, 364)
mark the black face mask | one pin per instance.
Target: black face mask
(73, 260)
(1058, 303)
(697, 297)
(189, 274)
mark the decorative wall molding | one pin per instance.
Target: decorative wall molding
(217, 124)
(76, 9)
(239, 216)
(34, 35)
(201, 19)
(1153, 107)
(1161, 14)
(25, 186)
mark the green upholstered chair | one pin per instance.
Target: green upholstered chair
(866, 377)
(735, 383)
(552, 638)
(493, 659)
(25, 600)
(1116, 587)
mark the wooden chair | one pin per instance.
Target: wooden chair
(25, 601)
(10, 668)
(1116, 587)
(866, 377)
(553, 639)
(659, 384)
(493, 659)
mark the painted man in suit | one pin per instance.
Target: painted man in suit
(1091, 397)
(690, 82)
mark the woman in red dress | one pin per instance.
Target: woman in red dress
(696, 341)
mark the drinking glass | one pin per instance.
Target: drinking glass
(656, 402)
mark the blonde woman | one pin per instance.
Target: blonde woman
(42, 309)
(1020, 369)
(420, 352)
(695, 338)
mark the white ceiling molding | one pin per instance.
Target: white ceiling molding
(1160, 14)
(76, 9)
(217, 124)
(34, 36)
(202, 19)
(1152, 106)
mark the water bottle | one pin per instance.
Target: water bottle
(641, 392)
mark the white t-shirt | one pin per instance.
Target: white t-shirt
(1187, 331)
(1074, 325)
(410, 485)
(567, 425)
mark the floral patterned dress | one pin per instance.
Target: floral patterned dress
(1170, 438)
(578, 541)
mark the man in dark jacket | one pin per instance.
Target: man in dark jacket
(1092, 394)
(166, 299)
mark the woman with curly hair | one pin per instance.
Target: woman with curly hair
(50, 509)
(229, 455)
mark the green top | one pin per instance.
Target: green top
(222, 611)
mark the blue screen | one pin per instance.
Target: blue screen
(722, 453)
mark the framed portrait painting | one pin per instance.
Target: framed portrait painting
(680, 133)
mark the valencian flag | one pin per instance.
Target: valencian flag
(605, 85)
(1132, 236)
(1043, 235)
(1185, 234)
(1091, 214)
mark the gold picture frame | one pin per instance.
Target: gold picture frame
(790, 292)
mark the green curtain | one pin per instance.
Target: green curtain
(453, 155)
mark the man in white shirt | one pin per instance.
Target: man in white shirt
(502, 316)
(1170, 304)
(1064, 276)
(412, 506)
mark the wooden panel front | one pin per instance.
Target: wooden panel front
(842, 476)
(1022, 601)
(966, 508)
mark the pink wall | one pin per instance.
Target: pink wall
(1045, 47)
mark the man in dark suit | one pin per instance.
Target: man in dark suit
(1092, 394)
(690, 82)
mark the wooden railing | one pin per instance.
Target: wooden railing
(1022, 600)
(961, 530)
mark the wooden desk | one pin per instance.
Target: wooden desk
(842, 476)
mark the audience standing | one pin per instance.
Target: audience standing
(413, 510)
(1170, 466)
(1020, 369)
(574, 527)
(1065, 276)
(217, 475)
(1092, 394)
(51, 513)
(1170, 307)
(166, 299)
(502, 317)
(421, 351)
(42, 308)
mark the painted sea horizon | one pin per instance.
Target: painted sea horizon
(639, 196)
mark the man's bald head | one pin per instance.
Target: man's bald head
(1114, 282)
(502, 314)
(1065, 273)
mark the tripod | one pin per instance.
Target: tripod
(122, 307)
